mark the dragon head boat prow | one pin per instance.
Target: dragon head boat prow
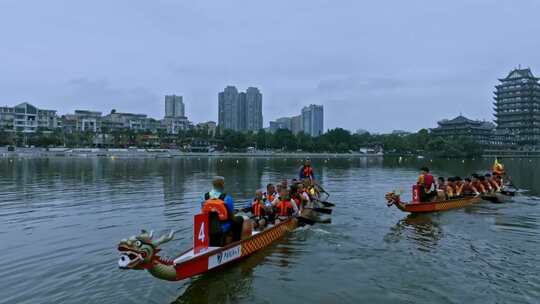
(140, 252)
(392, 198)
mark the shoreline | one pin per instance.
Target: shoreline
(165, 153)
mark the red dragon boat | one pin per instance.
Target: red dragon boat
(141, 252)
(416, 207)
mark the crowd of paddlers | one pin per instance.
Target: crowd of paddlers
(276, 204)
(429, 189)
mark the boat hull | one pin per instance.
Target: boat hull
(188, 265)
(438, 206)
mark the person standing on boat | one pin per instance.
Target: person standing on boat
(216, 200)
(424, 184)
(306, 171)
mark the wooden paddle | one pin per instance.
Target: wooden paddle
(327, 204)
(320, 210)
(305, 220)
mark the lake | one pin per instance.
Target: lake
(61, 219)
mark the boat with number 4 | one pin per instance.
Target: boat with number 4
(416, 207)
(141, 252)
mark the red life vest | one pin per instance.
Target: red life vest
(308, 171)
(216, 205)
(257, 208)
(428, 181)
(297, 201)
(284, 208)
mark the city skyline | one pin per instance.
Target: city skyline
(362, 61)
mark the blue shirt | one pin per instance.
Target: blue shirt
(229, 203)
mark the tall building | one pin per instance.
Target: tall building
(296, 124)
(240, 111)
(313, 120)
(253, 109)
(228, 109)
(517, 108)
(174, 106)
(461, 127)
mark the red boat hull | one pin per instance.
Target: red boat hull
(188, 266)
(438, 206)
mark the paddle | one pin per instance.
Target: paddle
(305, 220)
(327, 204)
(321, 210)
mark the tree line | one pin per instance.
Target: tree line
(336, 140)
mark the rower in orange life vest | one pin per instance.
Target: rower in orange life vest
(425, 181)
(283, 206)
(217, 201)
(259, 210)
(306, 171)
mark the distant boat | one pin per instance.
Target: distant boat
(420, 157)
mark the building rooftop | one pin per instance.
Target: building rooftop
(519, 73)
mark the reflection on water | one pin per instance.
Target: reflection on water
(61, 218)
(418, 228)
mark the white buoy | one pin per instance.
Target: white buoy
(463, 161)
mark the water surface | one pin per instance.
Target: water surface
(61, 219)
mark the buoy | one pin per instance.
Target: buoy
(463, 161)
(237, 161)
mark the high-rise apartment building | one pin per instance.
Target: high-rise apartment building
(313, 120)
(240, 111)
(174, 106)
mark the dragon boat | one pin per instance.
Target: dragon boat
(393, 198)
(141, 252)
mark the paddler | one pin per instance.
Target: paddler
(283, 206)
(492, 182)
(270, 193)
(424, 183)
(259, 210)
(477, 184)
(450, 188)
(468, 188)
(306, 171)
(441, 189)
(217, 201)
(485, 183)
(458, 186)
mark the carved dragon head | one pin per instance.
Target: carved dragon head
(392, 198)
(140, 252)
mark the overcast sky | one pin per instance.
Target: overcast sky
(376, 65)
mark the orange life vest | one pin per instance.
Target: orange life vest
(284, 208)
(216, 205)
(257, 208)
(270, 197)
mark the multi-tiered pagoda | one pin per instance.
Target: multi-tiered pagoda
(517, 109)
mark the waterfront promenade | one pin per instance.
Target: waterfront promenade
(163, 153)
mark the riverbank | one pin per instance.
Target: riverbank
(164, 153)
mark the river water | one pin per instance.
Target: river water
(61, 219)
